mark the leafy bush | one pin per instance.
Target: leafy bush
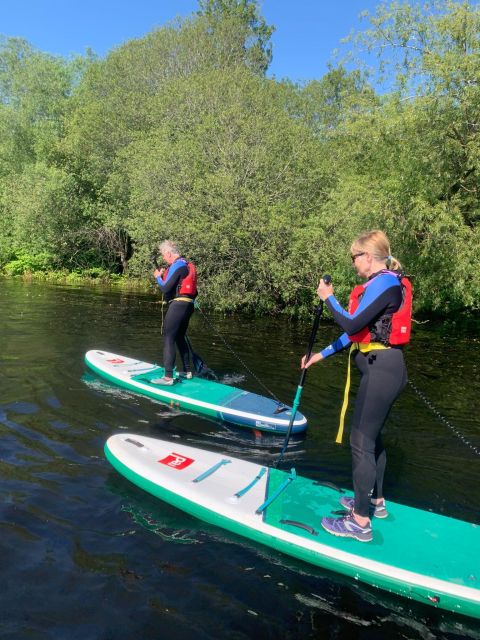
(27, 263)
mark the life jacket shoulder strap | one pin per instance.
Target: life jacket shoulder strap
(355, 296)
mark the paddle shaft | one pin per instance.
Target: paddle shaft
(296, 402)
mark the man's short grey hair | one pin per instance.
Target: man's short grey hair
(168, 245)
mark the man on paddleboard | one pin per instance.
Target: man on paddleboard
(376, 325)
(178, 283)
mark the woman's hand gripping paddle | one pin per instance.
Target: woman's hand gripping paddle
(318, 313)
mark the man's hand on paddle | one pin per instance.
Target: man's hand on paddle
(315, 358)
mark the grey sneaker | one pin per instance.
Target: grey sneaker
(376, 510)
(163, 381)
(186, 375)
(347, 527)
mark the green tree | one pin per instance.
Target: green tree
(230, 173)
(34, 92)
(44, 213)
(243, 18)
(180, 134)
(118, 100)
(415, 156)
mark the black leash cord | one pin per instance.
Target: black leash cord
(270, 393)
(459, 435)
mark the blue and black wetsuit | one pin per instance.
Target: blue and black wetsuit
(180, 310)
(383, 377)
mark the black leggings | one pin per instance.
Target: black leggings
(175, 327)
(384, 376)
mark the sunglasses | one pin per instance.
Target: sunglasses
(357, 255)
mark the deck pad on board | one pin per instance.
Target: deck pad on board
(409, 538)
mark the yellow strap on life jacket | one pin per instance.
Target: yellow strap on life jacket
(364, 347)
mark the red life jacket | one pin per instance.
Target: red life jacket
(187, 286)
(398, 326)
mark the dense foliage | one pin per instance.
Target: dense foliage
(264, 183)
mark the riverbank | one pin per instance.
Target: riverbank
(101, 278)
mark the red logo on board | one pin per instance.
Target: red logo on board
(177, 461)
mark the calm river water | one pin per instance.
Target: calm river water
(86, 555)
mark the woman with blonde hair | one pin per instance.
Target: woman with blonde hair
(376, 326)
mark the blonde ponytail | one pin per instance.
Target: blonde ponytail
(393, 264)
(378, 245)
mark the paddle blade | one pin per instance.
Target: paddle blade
(198, 363)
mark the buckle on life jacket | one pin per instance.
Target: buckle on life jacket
(363, 347)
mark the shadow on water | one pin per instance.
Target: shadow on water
(85, 554)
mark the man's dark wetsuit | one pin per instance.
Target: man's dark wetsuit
(178, 316)
(383, 377)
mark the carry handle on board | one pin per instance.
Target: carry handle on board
(318, 313)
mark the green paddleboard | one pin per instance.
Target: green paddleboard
(416, 554)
